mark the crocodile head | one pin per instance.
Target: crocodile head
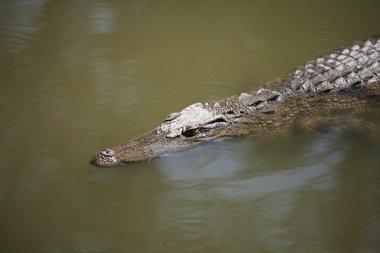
(179, 131)
(194, 124)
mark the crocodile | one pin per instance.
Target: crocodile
(344, 81)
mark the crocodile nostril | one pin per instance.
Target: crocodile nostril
(107, 152)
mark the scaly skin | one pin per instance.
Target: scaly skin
(345, 82)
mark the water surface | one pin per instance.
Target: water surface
(77, 76)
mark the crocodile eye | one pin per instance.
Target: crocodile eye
(189, 132)
(107, 152)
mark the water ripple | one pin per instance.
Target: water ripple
(19, 25)
(186, 228)
(85, 242)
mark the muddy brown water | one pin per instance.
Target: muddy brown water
(77, 76)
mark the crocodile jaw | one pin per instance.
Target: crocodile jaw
(145, 147)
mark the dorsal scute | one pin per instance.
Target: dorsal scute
(351, 67)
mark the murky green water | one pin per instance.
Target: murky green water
(77, 76)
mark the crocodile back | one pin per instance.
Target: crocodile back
(345, 69)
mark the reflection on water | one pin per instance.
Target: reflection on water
(77, 76)
(226, 160)
(218, 160)
(103, 18)
(314, 168)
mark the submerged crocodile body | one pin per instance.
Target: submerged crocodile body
(347, 80)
